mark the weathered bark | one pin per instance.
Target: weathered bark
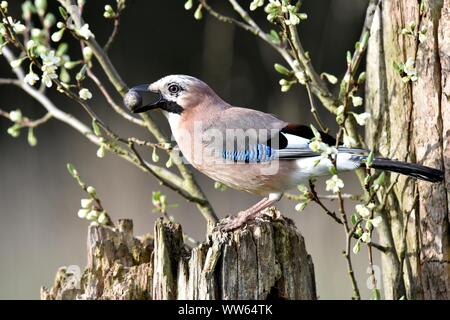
(411, 121)
(267, 259)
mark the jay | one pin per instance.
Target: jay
(250, 150)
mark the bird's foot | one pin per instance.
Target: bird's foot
(233, 223)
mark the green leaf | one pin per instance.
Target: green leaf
(376, 294)
(49, 20)
(96, 128)
(27, 9)
(41, 6)
(379, 181)
(331, 78)
(369, 160)
(315, 132)
(62, 49)
(361, 78)
(302, 188)
(101, 151)
(354, 218)
(32, 141)
(274, 37)
(188, 4)
(369, 225)
(198, 15)
(155, 157)
(64, 76)
(169, 162)
(359, 231)
(71, 168)
(156, 197)
(301, 206)
(332, 170)
(282, 69)
(349, 57)
(367, 179)
(364, 41)
(163, 200)
(63, 13)
(102, 218)
(357, 247)
(397, 66)
(82, 73)
(220, 186)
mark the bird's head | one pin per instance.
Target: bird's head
(174, 94)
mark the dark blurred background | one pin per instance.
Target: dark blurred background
(39, 228)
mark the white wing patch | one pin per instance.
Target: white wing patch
(296, 141)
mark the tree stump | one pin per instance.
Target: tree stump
(265, 260)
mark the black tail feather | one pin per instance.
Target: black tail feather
(409, 169)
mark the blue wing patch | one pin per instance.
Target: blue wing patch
(258, 153)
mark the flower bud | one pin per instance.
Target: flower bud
(87, 203)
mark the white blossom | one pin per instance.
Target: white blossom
(91, 190)
(320, 147)
(365, 237)
(377, 221)
(87, 53)
(92, 215)
(36, 32)
(293, 19)
(348, 141)
(86, 203)
(300, 206)
(50, 59)
(48, 75)
(334, 184)
(357, 101)
(30, 44)
(102, 218)
(316, 146)
(15, 115)
(362, 210)
(57, 36)
(4, 4)
(329, 150)
(410, 69)
(101, 152)
(85, 94)
(16, 25)
(362, 118)
(16, 63)
(84, 32)
(31, 78)
(82, 213)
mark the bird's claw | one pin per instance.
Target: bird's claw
(233, 223)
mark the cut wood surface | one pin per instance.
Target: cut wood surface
(266, 259)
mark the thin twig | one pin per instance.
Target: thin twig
(27, 122)
(111, 101)
(330, 197)
(113, 35)
(166, 183)
(314, 110)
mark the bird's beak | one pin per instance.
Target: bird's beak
(133, 99)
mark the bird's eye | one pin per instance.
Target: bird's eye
(174, 88)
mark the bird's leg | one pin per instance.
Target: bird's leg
(250, 213)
